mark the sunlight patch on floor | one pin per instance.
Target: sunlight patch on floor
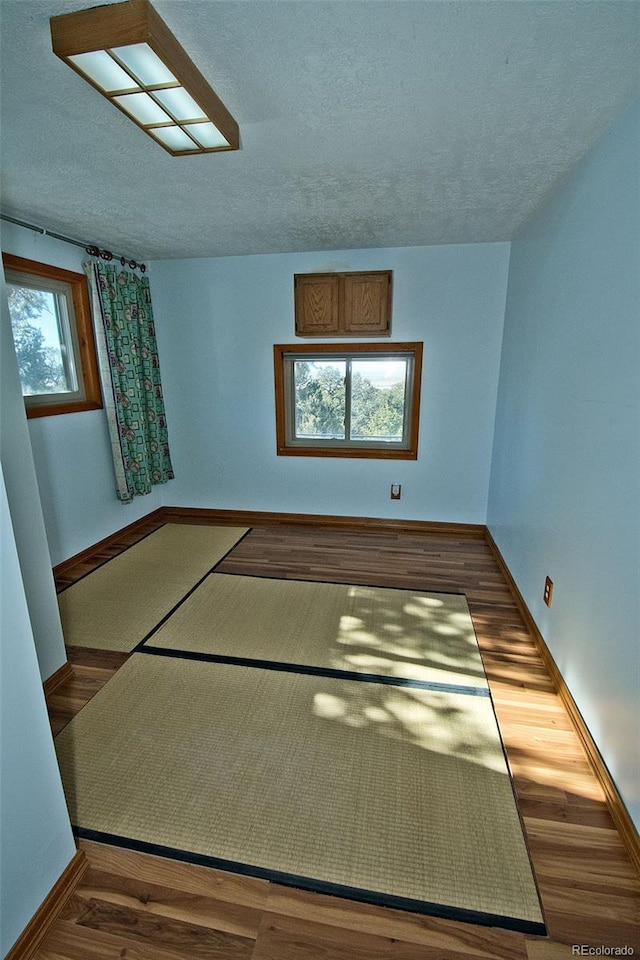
(451, 725)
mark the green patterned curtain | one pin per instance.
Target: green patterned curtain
(130, 372)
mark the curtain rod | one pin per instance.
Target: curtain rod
(91, 249)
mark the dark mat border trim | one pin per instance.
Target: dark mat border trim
(341, 583)
(309, 670)
(145, 647)
(318, 886)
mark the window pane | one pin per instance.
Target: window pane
(378, 399)
(348, 400)
(319, 391)
(40, 325)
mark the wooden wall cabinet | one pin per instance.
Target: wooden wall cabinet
(343, 304)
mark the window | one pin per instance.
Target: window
(348, 400)
(53, 337)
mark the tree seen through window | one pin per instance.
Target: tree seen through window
(374, 405)
(39, 362)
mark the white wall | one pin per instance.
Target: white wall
(565, 489)
(24, 503)
(36, 842)
(217, 322)
(35, 834)
(72, 452)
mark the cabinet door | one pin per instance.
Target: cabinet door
(367, 303)
(317, 302)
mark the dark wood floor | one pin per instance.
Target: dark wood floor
(139, 907)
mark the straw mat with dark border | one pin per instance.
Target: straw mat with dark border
(389, 632)
(397, 796)
(115, 606)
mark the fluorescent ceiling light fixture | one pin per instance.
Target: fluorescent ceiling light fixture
(130, 56)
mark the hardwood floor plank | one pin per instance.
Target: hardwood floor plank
(167, 902)
(458, 939)
(194, 940)
(288, 938)
(566, 809)
(582, 840)
(71, 697)
(67, 941)
(217, 884)
(588, 884)
(603, 926)
(101, 659)
(548, 950)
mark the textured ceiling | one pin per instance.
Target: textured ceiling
(363, 124)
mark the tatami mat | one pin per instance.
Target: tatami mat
(389, 632)
(398, 795)
(115, 606)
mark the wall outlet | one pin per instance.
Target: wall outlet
(547, 596)
(396, 491)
